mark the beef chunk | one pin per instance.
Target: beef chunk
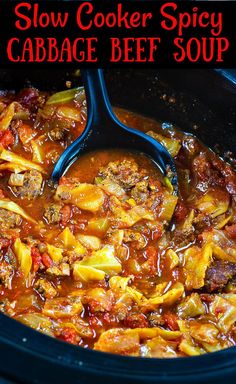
(137, 240)
(202, 167)
(136, 320)
(218, 275)
(32, 185)
(125, 173)
(6, 274)
(140, 192)
(45, 288)
(52, 213)
(58, 134)
(9, 219)
(155, 319)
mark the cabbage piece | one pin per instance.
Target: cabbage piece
(116, 236)
(88, 241)
(66, 96)
(127, 341)
(67, 238)
(62, 307)
(85, 196)
(168, 206)
(12, 167)
(158, 347)
(190, 349)
(86, 273)
(99, 299)
(38, 154)
(172, 145)
(71, 113)
(8, 114)
(136, 295)
(222, 223)
(103, 259)
(187, 225)
(229, 254)
(204, 332)
(149, 333)
(172, 257)
(55, 253)
(19, 160)
(196, 263)
(70, 242)
(98, 225)
(79, 249)
(23, 254)
(81, 327)
(231, 297)
(36, 321)
(111, 187)
(168, 298)
(119, 341)
(213, 203)
(16, 180)
(222, 247)
(224, 312)
(192, 306)
(187, 345)
(26, 133)
(129, 218)
(118, 283)
(13, 207)
(221, 344)
(159, 289)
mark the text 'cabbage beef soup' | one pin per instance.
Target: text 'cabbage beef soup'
(111, 259)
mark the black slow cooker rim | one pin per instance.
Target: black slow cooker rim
(34, 343)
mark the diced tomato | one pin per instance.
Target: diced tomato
(107, 318)
(69, 182)
(69, 335)
(170, 320)
(136, 320)
(4, 243)
(2, 195)
(36, 258)
(6, 138)
(157, 233)
(219, 310)
(25, 133)
(231, 231)
(151, 254)
(65, 215)
(180, 212)
(46, 260)
(202, 167)
(94, 321)
(207, 297)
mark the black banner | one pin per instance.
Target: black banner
(118, 34)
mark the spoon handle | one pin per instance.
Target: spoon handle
(98, 104)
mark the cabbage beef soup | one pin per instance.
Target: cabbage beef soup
(110, 258)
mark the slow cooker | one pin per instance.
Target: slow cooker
(198, 101)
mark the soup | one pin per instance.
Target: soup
(110, 258)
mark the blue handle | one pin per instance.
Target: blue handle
(229, 74)
(98, 104)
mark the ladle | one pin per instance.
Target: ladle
(104, 131)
